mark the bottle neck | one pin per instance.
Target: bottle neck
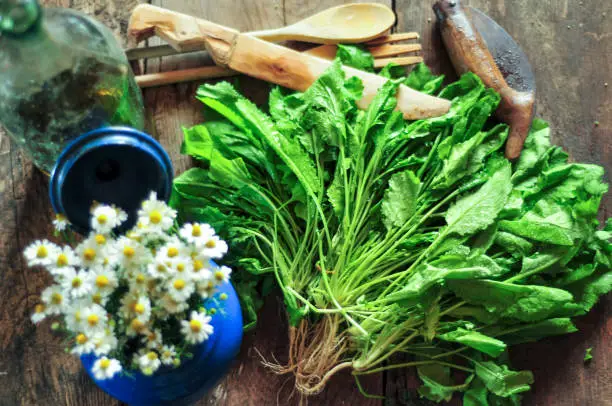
(19, 17)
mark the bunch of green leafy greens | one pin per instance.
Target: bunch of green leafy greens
(389, 236)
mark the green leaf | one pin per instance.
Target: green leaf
(420, 78)
(588, 354)
(476, 395)
(356, 56)
(526, 333)
(514, 244)
(479, 210)
(437, 383)
(502, 381)
(526, 303)
(400, 201)
(476, 340)
(536, 231)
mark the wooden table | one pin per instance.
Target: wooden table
(570, 45)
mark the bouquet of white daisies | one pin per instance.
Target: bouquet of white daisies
(134, 301)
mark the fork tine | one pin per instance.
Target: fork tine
(380, 51)
(388, 39)
(401, 61)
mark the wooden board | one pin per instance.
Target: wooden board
(572, 64)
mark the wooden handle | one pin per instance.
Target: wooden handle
(298, 71)
(182, 76)
(469, 53)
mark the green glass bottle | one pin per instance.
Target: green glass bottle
(62, 74)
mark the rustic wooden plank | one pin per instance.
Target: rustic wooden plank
(568, 45)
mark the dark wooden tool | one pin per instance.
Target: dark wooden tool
(478, 44)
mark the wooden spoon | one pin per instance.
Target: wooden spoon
(349, 23)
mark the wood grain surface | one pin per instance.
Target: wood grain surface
(569, 43)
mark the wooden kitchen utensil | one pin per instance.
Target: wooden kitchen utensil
(265, 60)
(383, 50)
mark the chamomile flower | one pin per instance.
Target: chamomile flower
(89, 253)
(122, 216)
(196, 233)
(180, 288)
(182, 266)
(222, 274)
(213, 247)
(104, 219)
(128, 302)
(62, 258)
(171, 251)
(39, 313)
(168, 354)
(149, 362)
(155, 216)
(205, 288)
(135, 327)
(153, 339)
(60, 222)
(104, 342)
(40, 253)
(139, 280)
(105, 368)
(200, 271)
(197, 328)
(98, 298)
(76, 283)
(172, 306)
(142, 309)
(159, 269)
(99, 239)
(103, 280)
(54, 299)
(73, 316)
(82, 344)
(129, 253)
(94, 319)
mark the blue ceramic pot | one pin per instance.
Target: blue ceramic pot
(189, 382)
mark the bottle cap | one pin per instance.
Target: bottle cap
(113, 165)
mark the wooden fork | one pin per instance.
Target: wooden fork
(383, 49)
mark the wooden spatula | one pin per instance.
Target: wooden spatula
(265, 60)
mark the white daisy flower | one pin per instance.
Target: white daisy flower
(200, 271)
(103, 280)
(206, 288)
(172, 250)
(155, 216)
(196, 233)
(135, 327)
(62, 258)
(98, 298)
(99, 239)
(168, 354)
(94, 319)
(180, 288)
(39, 313)
(105, 368)
(73, 316)
(83, 345)
(172, 306)
(213, 247)
(149, 362)
(54, 299)
(104, 342)
(159, 269)
(104, 219)
(153, 339)
(129, 253)
(76, 283)
(198, 328)
(89, 253)
(40, 253)
(142, 309)
(128, 302)
(139, 281)
(182, 266)
(222, 274)
(60, 222)
(122, 216)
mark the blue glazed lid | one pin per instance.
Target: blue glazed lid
(111, 165)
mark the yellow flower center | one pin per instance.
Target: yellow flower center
(196, 231)
(211, 244)
(62, 260)
(140, 278)
(89, 254)
(166, 354)
(155, 217)
(152, 336)
(179, 284)
(81, 339)
(197, 265)
(96, 298)
(219, 276)
(104, 363)
(139, 308)
(39, 308)
(173, 252)
(105, 262)
(60, 217)
(161, 268)
(56, 298)
(77, 316)
(137, 325)
(76, 282)
(129, 252)
(102, 281)
(152, 356)
(42, 252)
(93, 320)
(195, 326)
(100, 239)
(180, 267)
(210, 285)
(102, 219)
